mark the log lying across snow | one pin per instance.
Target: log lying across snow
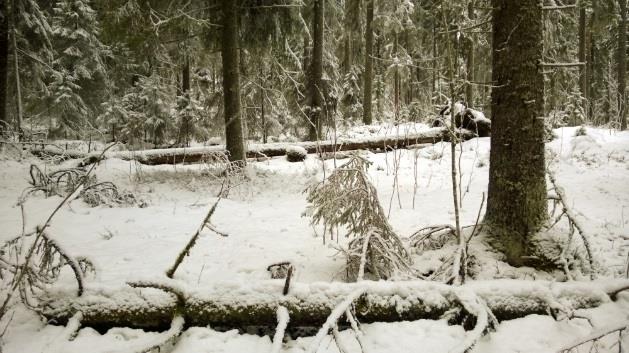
(237, 305)
(200, 154)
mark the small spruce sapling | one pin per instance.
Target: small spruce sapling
(347, 199)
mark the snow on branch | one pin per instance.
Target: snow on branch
(347, 199)
(594, 337)
(282, 322)
(238, 305)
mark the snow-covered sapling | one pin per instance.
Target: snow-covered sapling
(347, 199)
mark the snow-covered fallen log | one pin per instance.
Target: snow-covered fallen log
(200, 154)
(236, 305)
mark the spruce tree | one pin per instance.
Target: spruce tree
(516, 204)
(80, 71)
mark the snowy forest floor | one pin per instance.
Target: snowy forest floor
(263, 217)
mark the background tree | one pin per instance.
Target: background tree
(4, 63)
(622, 64)
(231, 81)
(315, 74)
(368, 77)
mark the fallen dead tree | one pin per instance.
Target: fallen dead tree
(153, 305)
(200, 154)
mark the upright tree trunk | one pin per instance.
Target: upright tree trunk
(316, 73)
(516, 205)
(4, 63)
(622, 64)
(18, 87)
(231, 82)
(582, 57)
(435, 63)
(590, 63)
(469, 87)
(185, 88)
(262, 110)
(368, 76)
(396, 80)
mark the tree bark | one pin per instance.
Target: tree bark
(368, 76)
(516, 204)
(18, 88)
(199, 154)
(469, 87)
(231, 82)
(315, 114)
(185, 88)
(4, 64)
(229, 307)
(583, 58)
(622, 64)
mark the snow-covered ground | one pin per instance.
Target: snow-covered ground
(263, 217)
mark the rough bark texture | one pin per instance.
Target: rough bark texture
(200, 154)
(235, 305)
(4, 63)
(368, 76)
(315, 89)
(231, 82)
(622, 64)
(516, 205)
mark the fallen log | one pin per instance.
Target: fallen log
(200, 154)
(239, 305)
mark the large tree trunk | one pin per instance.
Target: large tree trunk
(4, 63)
(516, 205)
(622, 64)
(368, 76)
(231, 82)
(316, 88)
(236, 305)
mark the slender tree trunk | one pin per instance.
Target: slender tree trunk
(316, 73)
(379, 74)
(516, 205)
(435, 63)
(368, 76)
(469, 87)
(622, 64)
(4, 63)
(185, 88)
(590, 66)
(231, 82)
(582, 57)
(396, 80)
(18, 88)
(262, 110)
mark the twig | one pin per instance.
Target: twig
(40, 231)
(205, 224)
(333, 318)
(354, 325)
(573, 220)
(289, 275)
(594, 337)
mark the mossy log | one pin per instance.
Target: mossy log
(238, 305)
(201, 154)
